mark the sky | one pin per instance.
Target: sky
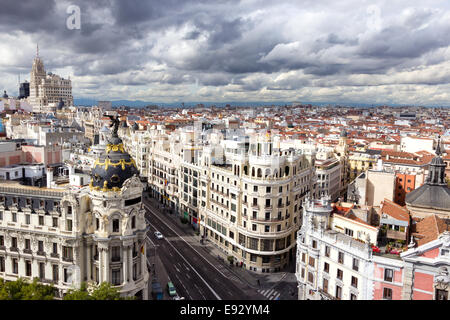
(350, 51)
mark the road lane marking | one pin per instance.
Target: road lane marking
(150, 209)
(193, 269)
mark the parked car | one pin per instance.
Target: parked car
(177, 297)
(171, 289)
(158, 235)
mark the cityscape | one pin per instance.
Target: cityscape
(203, 192)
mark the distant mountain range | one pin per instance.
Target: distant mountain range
(141, 104)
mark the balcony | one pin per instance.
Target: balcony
(68, 259)
(115, 259)
(54, 255)
(14, 249)
(41, 253)
(28, 251)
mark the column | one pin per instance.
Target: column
(143, 260)
(130, 264)
(125, 264)
(89, 262)
(100, 265)
(106, 253)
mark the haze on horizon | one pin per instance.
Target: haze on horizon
(223, 51)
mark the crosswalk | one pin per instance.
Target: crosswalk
(270, 294)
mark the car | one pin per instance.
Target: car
(171, 289)
(177, 297)
(158, 235)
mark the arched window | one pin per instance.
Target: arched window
(245, 170)
(267, 172)
(286, 171)
(253, 171)
(259, 173)
(275, 173)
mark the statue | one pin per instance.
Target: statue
(115, 123)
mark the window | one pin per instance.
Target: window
(55, 222)
(2, 241)
(115, 253)
(27, 244)
(310, 277)
(41, 220)
(326, 267)
(253, 227)
(268, 189)
(303, 257)
(314, 244)
(28, 268)
(349, 232)
(27, 219)
(255, 188)
(2, 264)
(387, 293)
(69, 225)
(68, 253)
(14, 242)
(352, 296)
(441, 294)
(327, 251)
(41, 246)
(66, 275)
(325, 285)
(303, 273)
(388, 275)
(115, 225)
(42, 270)
(55, 272)
(312, 261)
(15, 266)
(115, 276)
(341, 257)
(97, 223)
(55, 248)
(340, 274)
(354, 282)
(338, 292)
(355, 264)
(14, 216)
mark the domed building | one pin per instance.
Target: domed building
(75, 234)
(120, 228)
(433, 197)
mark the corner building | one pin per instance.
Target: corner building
(252, 199)
(66, 236)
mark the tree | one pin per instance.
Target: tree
(78, 294)
(21, 289)
(105, 291)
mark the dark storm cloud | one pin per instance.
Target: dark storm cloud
(246, 44)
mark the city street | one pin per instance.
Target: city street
(195, 274)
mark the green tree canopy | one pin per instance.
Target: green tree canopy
(22, 289)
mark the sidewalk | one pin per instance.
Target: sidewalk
(266, 280)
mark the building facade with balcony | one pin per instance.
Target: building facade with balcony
(69, 235)
(331, 264)
(251, 199)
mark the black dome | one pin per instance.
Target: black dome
(113, 167)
